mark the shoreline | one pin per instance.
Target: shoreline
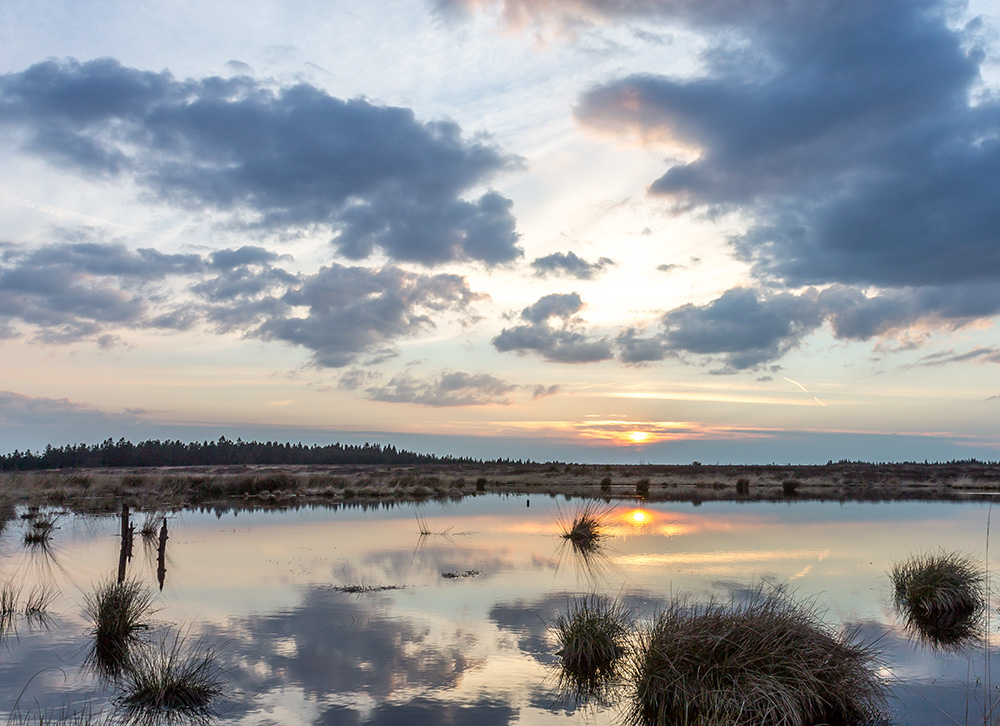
(104, 490)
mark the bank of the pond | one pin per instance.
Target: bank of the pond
(97, 490)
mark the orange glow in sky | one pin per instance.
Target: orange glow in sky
(638, 436)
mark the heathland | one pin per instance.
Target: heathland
(95, 489)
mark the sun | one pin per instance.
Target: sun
(637, 516)
(637, 437)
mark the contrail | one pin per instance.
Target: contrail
(797, 384)
(805, 390)
(59, 212)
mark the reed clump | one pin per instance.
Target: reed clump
(120, 613)
(583, 530)
(765, 661)
(174, 682)
(942, 596)
(593, 637)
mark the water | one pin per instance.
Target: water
(265, 589)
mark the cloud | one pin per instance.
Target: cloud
(19, 410)
(742, 327)
(91, 291)
(854, 136)
(374, 176)
(353, 311)
(986, 354)
(568, 15)
(570, 265)
(77, 290)
(450, 388)
(561, 341)
(747, 327)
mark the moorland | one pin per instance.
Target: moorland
(104, 489)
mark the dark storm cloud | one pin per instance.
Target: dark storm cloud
(555, 332)
(570, 265)
(352, 311)
(451, 388)
(848, 130)
(296, 157)
(857, 139)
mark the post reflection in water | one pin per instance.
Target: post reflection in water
(345, 616)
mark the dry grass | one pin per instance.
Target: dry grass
(172, 683)
(583, 528)
(171, 488)
(766, 661)
(593, 637)
(942, 596)
(120, 613)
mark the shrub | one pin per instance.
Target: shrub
(942, 596)
(760, 662)
(642, 488)
(593, 638)
(743, 486)
(481, 484)
(606, 485)
(789, 487)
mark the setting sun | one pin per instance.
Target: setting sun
(638, 436)
(638, 516)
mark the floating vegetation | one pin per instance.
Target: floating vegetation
(362, 589)
(172, 682)
(765, 661)
(593, 636)
(460, 575)
(120, 612)
(942, 597)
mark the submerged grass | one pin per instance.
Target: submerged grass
(941, 595)
(764, 661)
(120, 612)
(175, 681)
(593, 636)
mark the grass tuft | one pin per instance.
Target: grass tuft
(765, 661)
(9, 594)
(36, 607)
(174, 682)
(593, 637)
(584, 529)
(942, 596)
(120, 613)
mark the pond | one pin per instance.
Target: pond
(353, 616)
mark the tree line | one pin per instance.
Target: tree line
(123, 453)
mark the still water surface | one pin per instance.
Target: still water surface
(262, 587)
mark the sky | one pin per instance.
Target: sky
(654, 231)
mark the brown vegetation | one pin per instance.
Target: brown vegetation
(163, 489)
